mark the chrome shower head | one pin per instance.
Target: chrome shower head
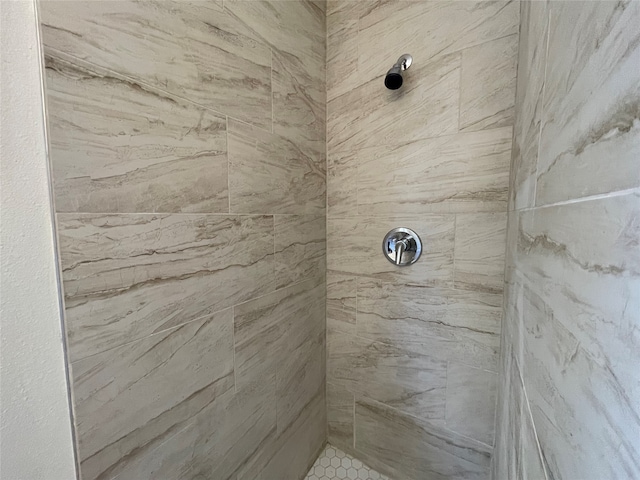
(393, 79)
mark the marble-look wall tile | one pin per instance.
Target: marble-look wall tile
(216, 444)
(354, 247)
(290, 453)
(342, 178)
(488, 84)
(428, 29)
(300, 248)
(165, 117)
(471, 401)
(268, 173)
(270, 329)
(281, 337)
(582, 304)
(416, 448)
(342, 56)
(299, 104)
(300, 379)
(532, 57)
(429, 98)
(118, 146)
(447, 324)
(191, 49)
(590, 147)
(132, 396)
(340, 415)
(531, 462)
(409, 381)
(128, 276)
(430, 156)
(297, 28)
(341, 302)
(572, 307)
(466, 172)
(480, 251)
(507, 460)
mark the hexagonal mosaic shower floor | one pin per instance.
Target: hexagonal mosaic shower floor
(333, 463)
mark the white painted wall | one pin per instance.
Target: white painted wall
(35, 427)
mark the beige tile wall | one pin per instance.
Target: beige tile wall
(188, 149)
(413, 352)
(570, 381)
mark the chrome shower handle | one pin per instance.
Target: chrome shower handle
(402, 246)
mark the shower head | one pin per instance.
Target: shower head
(393, 79)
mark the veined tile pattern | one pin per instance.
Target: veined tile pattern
(569, 380)
(333, 463)
(189, 171)
(413, 353)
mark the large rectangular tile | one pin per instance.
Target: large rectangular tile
(342, 55)
(532, 56)
(271, 174)
(128, 276)
(341, 302)
(280, 338)
(488, 84)
(465, 172)
(407, 380)
(300, 446)
(290, 453)
(271, 330)
(354, 246)
(342, 186)
(416, 448)
(471, 401)
(371, 115)
(299, 103)
(590, 139)
(340, 416)
(300, 248)
(217, 444)
(191, 49)
(300, 379)
(581, 309)
(133, 396)
(118, 146)
(428, 29)
(447, 324)
(480, 251)
(296, 28)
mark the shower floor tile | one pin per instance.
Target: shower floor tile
(333, 463)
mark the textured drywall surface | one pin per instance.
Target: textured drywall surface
(35, 428)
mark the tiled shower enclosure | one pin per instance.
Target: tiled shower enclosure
(224, 172)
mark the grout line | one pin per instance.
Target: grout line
(272, 92)
(235, 364)
(533, 425)
(186, 214)
(455, 237)
(228, 164)
(590, 198)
